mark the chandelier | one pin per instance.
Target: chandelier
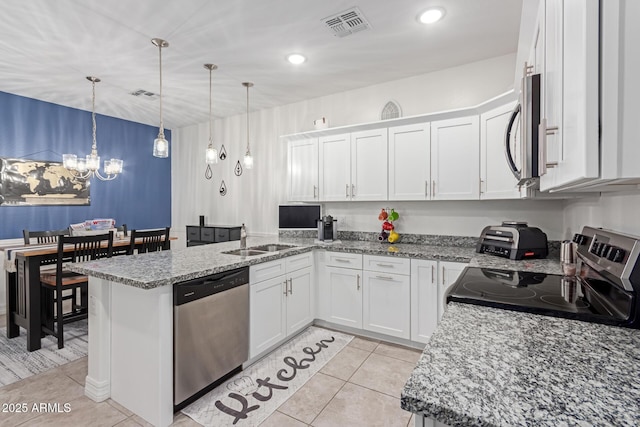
(248, 158)
(160, 144)
(90, 166)
(211, 155)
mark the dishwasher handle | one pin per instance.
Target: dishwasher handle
(192, 290)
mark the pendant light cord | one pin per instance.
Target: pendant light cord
(248, 149)
(160, 66)
(94, 146)
(210, 115)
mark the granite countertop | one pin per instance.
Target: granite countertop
(163, 268)
(490, 367)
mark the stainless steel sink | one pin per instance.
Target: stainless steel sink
(245, 252)
(272, 247)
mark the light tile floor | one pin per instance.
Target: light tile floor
(360, 386)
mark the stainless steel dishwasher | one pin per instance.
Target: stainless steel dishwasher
(210, 332)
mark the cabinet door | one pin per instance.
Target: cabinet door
(448, 273)
(267, 315)
(369, 165)
(551, 93)
(409, 162)
(303, 170)
(424, 299)
(345, 296)
(455, 159)
(496, 179)
(387, 304)
(579, 155)
(299, 301)
(335, 167)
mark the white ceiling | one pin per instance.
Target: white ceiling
(48, 47)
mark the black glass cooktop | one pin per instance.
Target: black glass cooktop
(589, 299)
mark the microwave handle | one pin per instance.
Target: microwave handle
(507, 146)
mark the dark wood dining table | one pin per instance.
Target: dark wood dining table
(23, 287)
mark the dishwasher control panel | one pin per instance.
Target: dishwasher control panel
(185, 292)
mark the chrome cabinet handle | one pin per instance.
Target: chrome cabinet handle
(544, 131)
(384, 277)
(358, 281)
(285, 288)
(481, 183)
(290, 286)
(315, 191)
(342, 260)
(433, 273)
(379, 264)
(353, 190)
(346, 191)
(426, 189)
(443, 274)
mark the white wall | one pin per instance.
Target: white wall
(253, 198)
(615, 211)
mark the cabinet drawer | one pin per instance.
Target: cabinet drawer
(234, 233)
(344, 259)
(267, 270)
(222, 235)
(387, 264)
(297, 262)
(207, 234)
(193, 233)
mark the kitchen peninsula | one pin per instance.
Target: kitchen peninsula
(131, 311)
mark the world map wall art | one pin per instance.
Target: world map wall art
(26, 182)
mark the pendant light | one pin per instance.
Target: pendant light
(211, 155)
(90, 166)
(160, 144)
(248, 158)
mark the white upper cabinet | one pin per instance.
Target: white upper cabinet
(335, 167)
(409, 162)
(496, 179)
(569, 141)
(303, 170)
(369, 165)
(455, 159)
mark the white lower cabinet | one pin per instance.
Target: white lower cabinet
(267, 314)
(282, 305)
(386, 304)
(448, 272)
(345, 296)
(424, 299)
(298, 301)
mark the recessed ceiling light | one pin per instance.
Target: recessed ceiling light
(296, 58)
(431, 15)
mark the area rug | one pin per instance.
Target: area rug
(16, 363)
(252, 395)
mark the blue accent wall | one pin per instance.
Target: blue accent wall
(140, 197)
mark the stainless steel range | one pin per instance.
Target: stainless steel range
(605, 290)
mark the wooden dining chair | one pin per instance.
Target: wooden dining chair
(149, 240)
(43, 237)
(70, 249)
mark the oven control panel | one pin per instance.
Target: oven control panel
(611, 254)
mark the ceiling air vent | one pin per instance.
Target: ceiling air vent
(145, 94)
(347, 22)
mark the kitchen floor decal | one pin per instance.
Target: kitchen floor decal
(252, 395)
(16, 363)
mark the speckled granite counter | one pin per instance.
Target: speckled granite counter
(151, 270)
(492, 367)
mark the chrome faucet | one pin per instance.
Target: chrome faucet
(243, 237)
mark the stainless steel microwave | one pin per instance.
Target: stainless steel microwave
(523, 129)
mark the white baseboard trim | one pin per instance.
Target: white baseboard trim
(98, 391)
